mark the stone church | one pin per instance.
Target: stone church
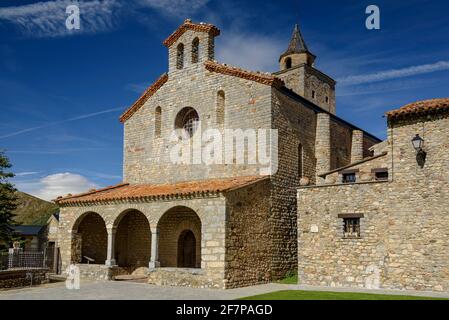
(221, 225)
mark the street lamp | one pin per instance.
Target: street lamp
(418, 144)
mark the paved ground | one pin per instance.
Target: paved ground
(141, 291)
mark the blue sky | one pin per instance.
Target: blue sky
(61, 92)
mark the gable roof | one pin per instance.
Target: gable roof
(263, 78)
(189, 25)
(144, 97)
(161, 191)
(419, 108)
(27, 230)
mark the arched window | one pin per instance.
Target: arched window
(195, 50)
(180, 56)
(288, 63)
(157, 122)
(300, 161)
(220, 108)
(188, 120)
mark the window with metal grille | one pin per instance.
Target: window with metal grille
(349, 178)
(351, 227)
(188, 120)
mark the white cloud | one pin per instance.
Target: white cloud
(178, 8)
(47, 19)
(250, 51)
(59, 184)
(394, 73)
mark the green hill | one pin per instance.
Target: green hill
(32, 210)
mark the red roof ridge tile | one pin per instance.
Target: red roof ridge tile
(419, 107)
(260, 77)
(189, 25)
(138, 191)
(151, 90)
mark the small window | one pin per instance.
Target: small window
(157, 122)
(349, 177)
(381, 174)
(195, 50)
(300, 161)
(188, 120)
(180, 56)
(221, 108)
(288, 63)
(351, 227)
(327, 99)
(313, 94)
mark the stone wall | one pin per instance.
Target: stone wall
(210, 210)
(147, 157)
(248, 236)
(22, 278)
(404, 228)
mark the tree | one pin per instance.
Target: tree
(7, 199)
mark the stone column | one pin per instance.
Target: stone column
(110, 262)
(154, 262)
(357, 146)
(322, 145)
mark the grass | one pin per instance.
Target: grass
(324, 295)
(291, 278)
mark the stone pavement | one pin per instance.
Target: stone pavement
(113, 290)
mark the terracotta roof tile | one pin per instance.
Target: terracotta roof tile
(264, 78)
(133, 192)
(189, 25)
(144, 97)
(419, 108)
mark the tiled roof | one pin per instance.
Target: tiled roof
(189, 25)
(297, 44)
(144, 97)
(162, 191)
(419, 108)
(27, 230)
(263, 78)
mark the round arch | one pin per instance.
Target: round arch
(180, 238)
(89, 239)
(132, 239)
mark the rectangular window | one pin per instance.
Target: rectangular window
(313, 94)
(351, 227)
(380, 174)
(349, 177)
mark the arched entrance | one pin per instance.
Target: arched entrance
(90, 239)
(187, 250)
(132, 240)
(180, 238)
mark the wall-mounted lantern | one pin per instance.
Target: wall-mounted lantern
(418, 144)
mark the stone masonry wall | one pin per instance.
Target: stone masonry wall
(211, 211)
(248, 236)
(147, 157)
(404, 230)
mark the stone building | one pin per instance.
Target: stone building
(382, 221)
(223, 224)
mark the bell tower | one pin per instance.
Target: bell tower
(299, 74)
